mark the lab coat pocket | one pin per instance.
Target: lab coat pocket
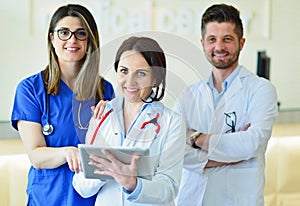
(110, 194)
(141, 137)
(244, 185)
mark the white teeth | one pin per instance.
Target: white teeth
(131, 90)
(71, 49)
(219, 55)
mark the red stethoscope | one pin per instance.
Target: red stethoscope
(152, 121)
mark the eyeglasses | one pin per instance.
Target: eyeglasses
(66, 34)
(230, 120)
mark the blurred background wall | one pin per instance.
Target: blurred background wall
(270, 25)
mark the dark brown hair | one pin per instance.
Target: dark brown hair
(222, 13)
(155, 58)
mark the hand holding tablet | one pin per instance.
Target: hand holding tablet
(123, 154)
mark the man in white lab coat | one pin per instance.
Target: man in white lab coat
(229, 116)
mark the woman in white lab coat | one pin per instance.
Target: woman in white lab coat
(137, 119)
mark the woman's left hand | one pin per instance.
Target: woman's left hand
(124, 174)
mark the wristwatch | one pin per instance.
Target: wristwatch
(193, 138)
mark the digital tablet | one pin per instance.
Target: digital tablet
(123, 154)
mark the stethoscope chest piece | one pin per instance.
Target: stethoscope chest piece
(47, 129)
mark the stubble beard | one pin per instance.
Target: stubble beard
(224, 64)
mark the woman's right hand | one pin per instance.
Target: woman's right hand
(124, 174)
(73, 159)
(98, 110)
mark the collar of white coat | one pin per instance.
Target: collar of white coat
(117, 105)
(239, 72)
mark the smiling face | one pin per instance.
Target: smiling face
(221, 45)
(134, 77)
(71, 50)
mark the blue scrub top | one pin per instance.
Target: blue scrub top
(51, 186)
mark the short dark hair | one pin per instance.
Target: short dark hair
(154, 56)
(222, 13)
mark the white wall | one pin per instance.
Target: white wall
(273, 26)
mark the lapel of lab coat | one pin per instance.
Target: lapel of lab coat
(226, 103)
(143, 137)
(232, 90)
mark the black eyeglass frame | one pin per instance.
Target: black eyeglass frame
(75, 33)
(231, 116)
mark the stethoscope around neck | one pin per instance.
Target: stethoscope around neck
(152, 121)
(47, 128)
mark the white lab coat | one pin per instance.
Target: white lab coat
(166, 150)
(254, 101)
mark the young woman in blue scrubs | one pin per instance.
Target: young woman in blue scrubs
(42, 111)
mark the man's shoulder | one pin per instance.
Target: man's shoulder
(257, 85)
(252, 78)
(195, 88)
